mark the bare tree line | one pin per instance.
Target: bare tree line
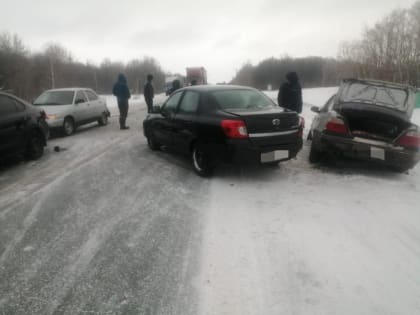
(27, 74)
(313, 72)
(389, 50)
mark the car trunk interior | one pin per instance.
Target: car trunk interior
(374, 122)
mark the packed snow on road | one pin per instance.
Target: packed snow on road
(106, 226)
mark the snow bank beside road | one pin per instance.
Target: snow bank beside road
(300, 239)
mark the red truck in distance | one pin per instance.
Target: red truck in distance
(196, 76)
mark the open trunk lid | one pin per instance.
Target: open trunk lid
(374, 122)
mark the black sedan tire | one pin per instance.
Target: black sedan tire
(202, 161)
(35, 146)
(152, 143)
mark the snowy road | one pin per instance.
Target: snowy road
(108, 227)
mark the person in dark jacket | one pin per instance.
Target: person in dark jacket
(290, 93)
(176, 84)
(121, 91)
(149, 93)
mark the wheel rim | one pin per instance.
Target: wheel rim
(198, 159)
(68, 127)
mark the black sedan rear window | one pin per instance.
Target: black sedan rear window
(55, 98)
(241, 99)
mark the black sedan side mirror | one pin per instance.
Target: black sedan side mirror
(315, 109)
(156, 109)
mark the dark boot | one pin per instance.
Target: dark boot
(122, 124)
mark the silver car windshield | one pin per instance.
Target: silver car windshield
(376, 94)
(242, 100)
(55, 98)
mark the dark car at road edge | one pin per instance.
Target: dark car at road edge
(23, 129)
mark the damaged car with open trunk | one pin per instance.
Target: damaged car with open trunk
(367, 120)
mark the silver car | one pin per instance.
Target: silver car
(69, 108)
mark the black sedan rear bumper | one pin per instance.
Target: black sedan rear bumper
(243, 151)
(370, 150)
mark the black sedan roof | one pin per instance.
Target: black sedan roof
(211, 88)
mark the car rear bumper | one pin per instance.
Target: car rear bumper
(55, 123)
(370, 150)
(243, 151)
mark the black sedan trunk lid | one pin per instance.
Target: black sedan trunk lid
(269, 127)
(267, 120)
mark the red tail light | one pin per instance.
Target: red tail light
(336, 125)
(301, 126)
(410, 139)
(301, 122)
(234, 129)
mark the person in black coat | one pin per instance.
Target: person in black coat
(290, 93)
(176, 85)
(149, 93)
(121, 91)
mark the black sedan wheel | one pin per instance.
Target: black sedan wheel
(152, 143)
(68, 126)
(201, 161)
(35, 147)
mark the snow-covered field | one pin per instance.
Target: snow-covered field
(108, 227)
(310, 240)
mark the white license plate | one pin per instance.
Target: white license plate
(377, 153)
(274, 156)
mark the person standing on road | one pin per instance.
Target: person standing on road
(121, 91)
(176, 84)
(290, 93)
(149, 93)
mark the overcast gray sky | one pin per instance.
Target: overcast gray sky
(220, 35)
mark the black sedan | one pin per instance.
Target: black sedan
(224, 124)
(367, 120)
(23, 129)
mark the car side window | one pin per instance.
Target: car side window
(171, 104)
(189, 103)
(92, 96)
(328, 105)
(7, 106)
(80, 97)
